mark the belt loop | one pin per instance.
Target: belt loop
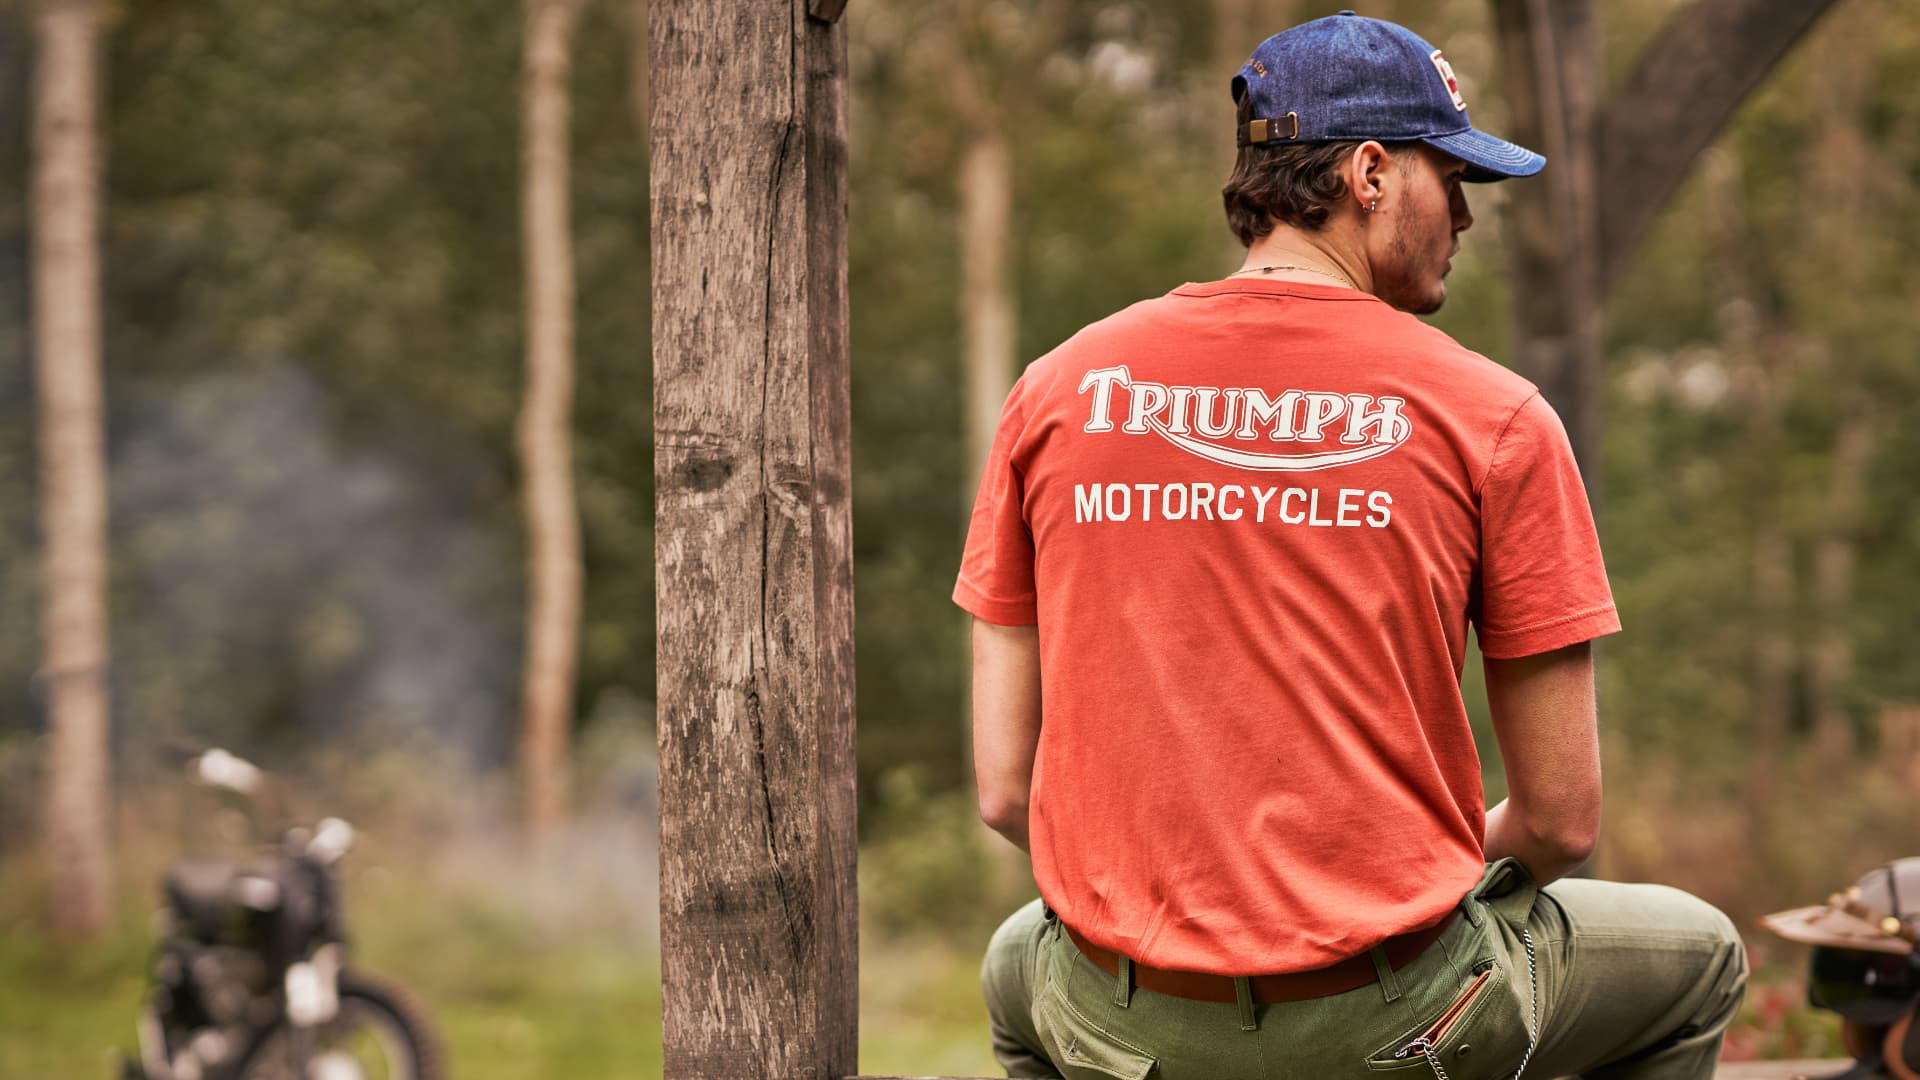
(1243, 992)
(1389, 982)
(1470, 907)
(1123, 982)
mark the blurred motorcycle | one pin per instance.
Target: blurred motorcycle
(250, 980)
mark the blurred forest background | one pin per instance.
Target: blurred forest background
(314, 338)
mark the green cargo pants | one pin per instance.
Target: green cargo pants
(1619, 981)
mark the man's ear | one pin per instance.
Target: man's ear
(1367, 173)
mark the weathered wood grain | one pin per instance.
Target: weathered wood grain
(754, 540)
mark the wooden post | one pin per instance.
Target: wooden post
(754, 538)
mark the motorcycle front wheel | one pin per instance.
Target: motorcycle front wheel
(380, 1033)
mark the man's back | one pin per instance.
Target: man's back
(1257, 513)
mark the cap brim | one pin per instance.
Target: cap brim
(1832, 927)
(1488, 158)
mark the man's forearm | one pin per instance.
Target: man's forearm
(1006, 724)
(1014, 828)
(1547, 857)
(1545, 718)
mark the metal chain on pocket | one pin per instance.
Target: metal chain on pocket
(1533, 996)
(1533, 1034)
(1435, 1062)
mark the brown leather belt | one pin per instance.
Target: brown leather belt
(1348, 974)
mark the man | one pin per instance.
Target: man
(1223, 562)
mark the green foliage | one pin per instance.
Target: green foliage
(313, 364)
(1812, 255)
(932, 863)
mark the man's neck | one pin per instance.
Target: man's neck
(1290, 252)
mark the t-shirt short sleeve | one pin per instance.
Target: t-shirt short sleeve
(996, 570)
(1542, 583)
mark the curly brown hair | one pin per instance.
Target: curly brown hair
(1296, 183)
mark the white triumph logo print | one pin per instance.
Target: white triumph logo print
(1181, 414)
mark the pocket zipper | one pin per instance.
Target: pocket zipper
(1437, 1031)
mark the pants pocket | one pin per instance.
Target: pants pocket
(1083, 1051)
(1479, 1031)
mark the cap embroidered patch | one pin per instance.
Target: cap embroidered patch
(1446, 76)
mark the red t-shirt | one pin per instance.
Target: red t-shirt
(1253, 520)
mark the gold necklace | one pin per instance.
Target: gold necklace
(1341, 278)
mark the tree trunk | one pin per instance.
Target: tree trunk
(73, 476)
(1548, 57)
(988, 326)
(1763, 373)
(982, 92)
(1841, 199)
(1830, 663)
(1773, 664)
(987, 319)
(544, 437)
(1701, 65)
(1611, 171)
(985, 88)
(1233, 41)
(1238, 27)
(754, 540)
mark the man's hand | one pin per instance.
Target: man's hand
(1006, 723)
(1545, 720)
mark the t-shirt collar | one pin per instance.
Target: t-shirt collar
(1272, 287)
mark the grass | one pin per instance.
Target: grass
(509, 1002)
(512, 1000)
(58, 1003)
(530, 968)
(514, 1004)
(516, 1000)
(549, 967)
(921, 1013)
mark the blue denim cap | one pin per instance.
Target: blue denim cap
(1347, 77)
